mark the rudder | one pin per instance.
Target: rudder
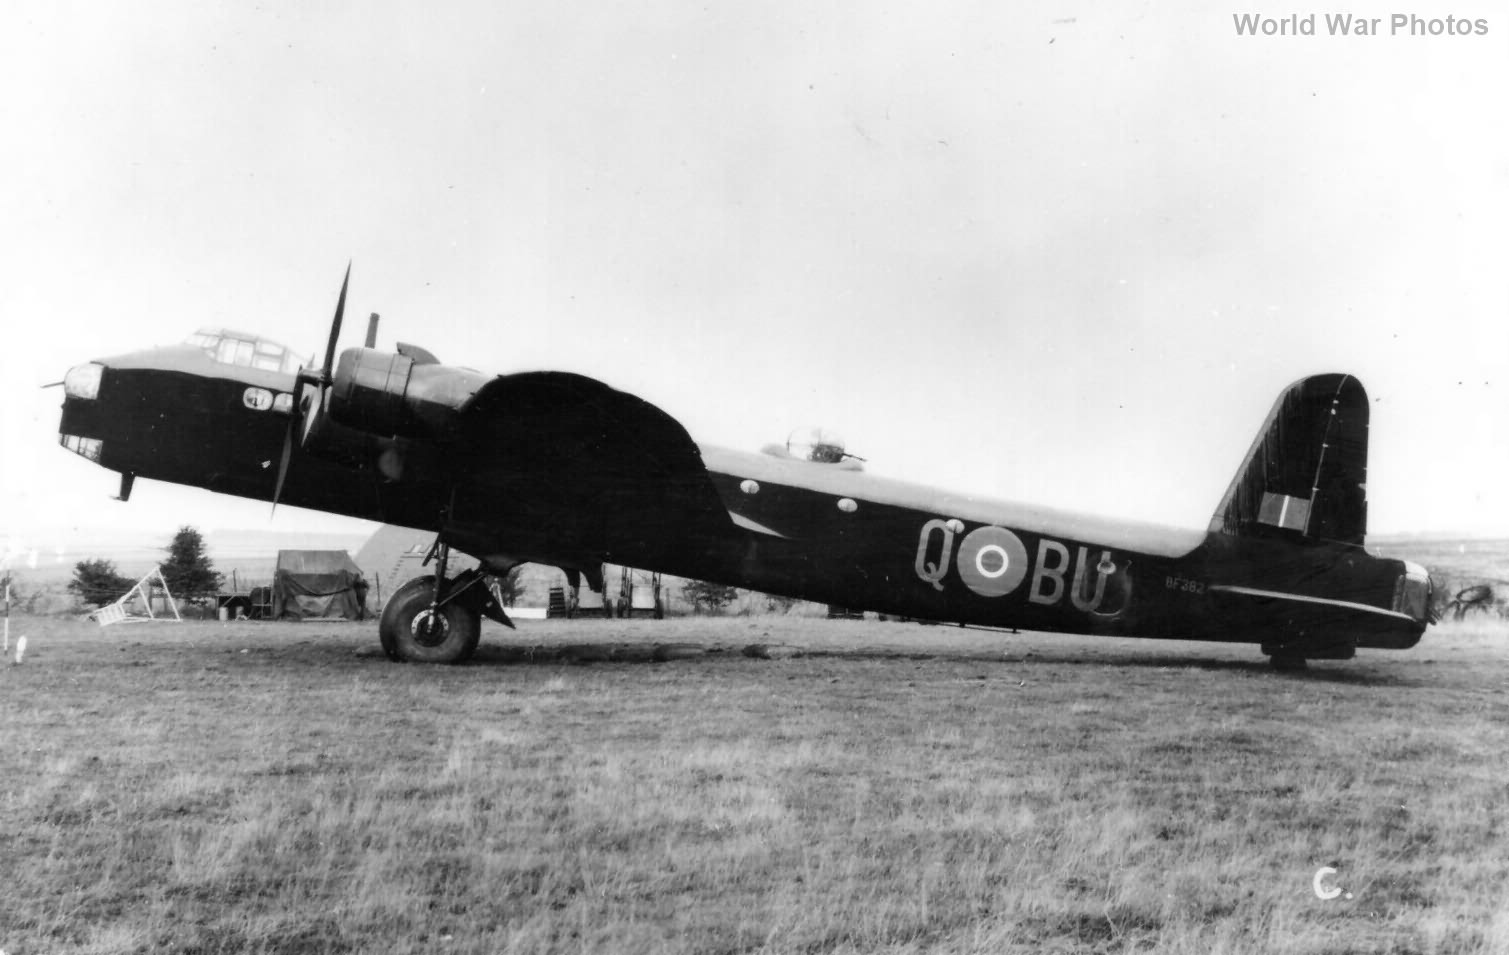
(1306, 474)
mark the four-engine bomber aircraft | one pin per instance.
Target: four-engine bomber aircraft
(556, 468)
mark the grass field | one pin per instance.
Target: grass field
(283, 788)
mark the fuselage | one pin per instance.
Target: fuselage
(794, 527)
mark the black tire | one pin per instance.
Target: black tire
(406, 614)
(1288, 663)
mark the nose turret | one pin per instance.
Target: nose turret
(80, 429)
(83, 381)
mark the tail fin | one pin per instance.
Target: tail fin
(1306, 475)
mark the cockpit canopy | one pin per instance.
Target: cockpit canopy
(246, 351)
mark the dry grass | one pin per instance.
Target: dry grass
(282, 788)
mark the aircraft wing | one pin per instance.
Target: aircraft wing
(592, 463)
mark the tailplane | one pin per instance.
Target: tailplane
(1306, 474)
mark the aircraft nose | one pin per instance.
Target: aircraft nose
(80, 428)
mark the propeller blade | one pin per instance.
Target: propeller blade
(335, 327)
(310, 412)
(296, 414)
(293, 424)
(371, 331)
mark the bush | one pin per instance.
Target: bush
(96, 582)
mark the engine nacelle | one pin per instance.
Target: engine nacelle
(395, 458)
(389, 394)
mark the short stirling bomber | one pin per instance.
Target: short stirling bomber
(555, 468)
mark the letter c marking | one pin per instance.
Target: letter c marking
(1323, 891)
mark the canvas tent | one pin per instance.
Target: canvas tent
(318, 583)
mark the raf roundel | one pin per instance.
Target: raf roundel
(992, 561)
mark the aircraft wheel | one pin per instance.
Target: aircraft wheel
(1288, 662)
(411, 633)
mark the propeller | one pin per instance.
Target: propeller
(321, 380)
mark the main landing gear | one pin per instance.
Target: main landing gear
(438, 620)
(416, 628)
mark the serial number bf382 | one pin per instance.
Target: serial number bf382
(555, 468)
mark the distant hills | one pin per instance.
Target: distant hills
(1452, 561)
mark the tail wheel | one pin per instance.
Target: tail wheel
(1288, 662)
(411, 632)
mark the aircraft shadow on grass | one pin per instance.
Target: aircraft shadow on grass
(692, 655)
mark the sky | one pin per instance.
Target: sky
(1060, 253)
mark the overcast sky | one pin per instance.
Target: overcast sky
(1054, 252)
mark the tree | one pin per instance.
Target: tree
(703, 596)
(97, 582)
(188, 571)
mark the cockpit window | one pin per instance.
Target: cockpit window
(245, 351)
